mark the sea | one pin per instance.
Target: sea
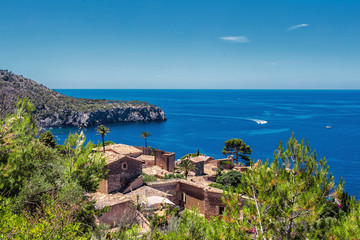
(205, 119)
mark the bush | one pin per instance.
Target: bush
(174, 176)
(231, 178)
(217, 185)
(148, 178)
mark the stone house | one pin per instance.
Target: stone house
(188, 195)
(165, 160)
(199, 162)
(122, 172)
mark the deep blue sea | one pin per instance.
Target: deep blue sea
(205, 119)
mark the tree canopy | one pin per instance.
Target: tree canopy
(238, 148)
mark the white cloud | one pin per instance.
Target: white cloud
(297, 26)
(237, 39)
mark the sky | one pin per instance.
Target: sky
(183, 44)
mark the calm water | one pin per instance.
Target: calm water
(204, 119)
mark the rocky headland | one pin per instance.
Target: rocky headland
(53, 109)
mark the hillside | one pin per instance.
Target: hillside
(55, 109)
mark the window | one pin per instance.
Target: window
(221, 210)
(183, 197)
(124, 165)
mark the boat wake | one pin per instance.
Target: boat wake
(259, 121)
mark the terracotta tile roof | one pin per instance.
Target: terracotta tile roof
(156, 171)
(201, 158)
(146, 158)
(103, 200)
(122, 149)
(111, 157)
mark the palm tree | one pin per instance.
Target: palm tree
(145, 135)
(186, 165)
(102, 130)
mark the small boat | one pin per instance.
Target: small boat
(328, 127)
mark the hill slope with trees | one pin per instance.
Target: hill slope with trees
(55, 109)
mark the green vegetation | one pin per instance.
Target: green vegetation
(189, 155)
(238, 148)
(42, 187)
(174, 176)
(145, 135)
(231, 178)
(107, 143)
(186, 165)
(148, 178)
(102, 130)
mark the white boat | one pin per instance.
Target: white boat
(328, 127)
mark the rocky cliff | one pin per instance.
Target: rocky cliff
(55, 109)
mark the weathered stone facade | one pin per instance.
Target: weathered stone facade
(189, 195)
(165, 160)
(121, 172)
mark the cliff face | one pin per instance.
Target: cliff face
(97, 117)
(55, 109)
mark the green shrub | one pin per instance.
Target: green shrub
(148, 178)
(174, 176)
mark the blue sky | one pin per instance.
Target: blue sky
(183, 44)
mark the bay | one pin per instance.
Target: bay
(205, 119)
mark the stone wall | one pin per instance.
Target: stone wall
(165, 160)
(120, 173)
(138, 182)
(170, 187)
(213, 203)
(194, 196)
(123, 211)
(145, 151)
(103, 187)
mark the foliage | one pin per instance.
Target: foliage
(107, 143)
(174, 176)
(186, 165)
(288, 196)
(148, 178)
(42, 187)
(189, 155)
(145, 135)
(238, 148)
(348, 226)
(231, 178)
(217, 185)
(47, 138)
(53, 220)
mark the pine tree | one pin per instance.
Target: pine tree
(238, 148)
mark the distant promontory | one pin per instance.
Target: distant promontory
(53, 109)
